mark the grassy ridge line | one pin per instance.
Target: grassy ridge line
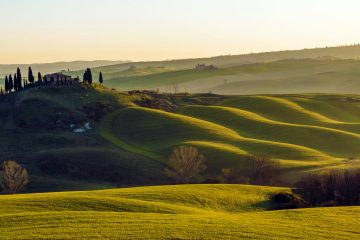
(294, 106)
(253, 125)
(300, 109)
(340, 110)
(190, 199)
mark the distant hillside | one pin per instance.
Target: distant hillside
(280, 77)
(55, 67)
(343, 52)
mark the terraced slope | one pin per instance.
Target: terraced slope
(169, 212)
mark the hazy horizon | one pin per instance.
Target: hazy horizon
(42, 31)
(172, 59)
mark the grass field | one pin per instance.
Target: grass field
(169, 212)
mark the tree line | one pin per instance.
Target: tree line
(15, 82)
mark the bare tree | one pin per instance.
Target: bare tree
(186, 162)
(335, 187)
(261, 170)
(14, 177)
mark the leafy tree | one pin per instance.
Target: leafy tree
(31, 76)
(101, 80)
(14, 177)
(186, 163)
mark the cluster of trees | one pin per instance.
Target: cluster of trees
(15, 82)
(13, 177)
(88, 77)
(186, 163)
(330, 189)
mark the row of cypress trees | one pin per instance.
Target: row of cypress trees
(15, 83)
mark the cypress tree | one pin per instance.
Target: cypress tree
(18, 74)
(19, 82)
(90, 78)
(6, 84)
(101, 80)
(84, 76)
(11, 83)
(16, 85)
(31, 76)
(39, 78)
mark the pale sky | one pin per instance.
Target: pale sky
(34, 31)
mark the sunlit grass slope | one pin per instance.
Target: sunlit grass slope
(331, 141)
(301, 131)
(155, 133)
(169, 212)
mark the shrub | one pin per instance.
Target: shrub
(287, 201)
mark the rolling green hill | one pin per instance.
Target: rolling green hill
(129, 144)
(169, 212)
(278, 126)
